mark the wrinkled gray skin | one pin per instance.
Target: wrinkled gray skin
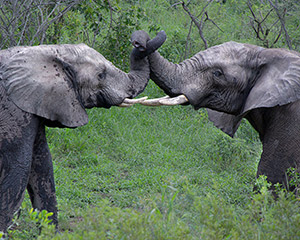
(238, 81)
(51, 85)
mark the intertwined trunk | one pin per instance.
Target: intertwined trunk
(139, 65)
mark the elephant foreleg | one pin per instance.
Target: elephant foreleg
(15, 163)
(12, 189)
(41, 186)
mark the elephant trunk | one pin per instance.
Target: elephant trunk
(171, 77)
(139, 64)
(165, 74)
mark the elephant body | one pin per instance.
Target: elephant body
(52, 85)
(279, 132)
(234, 81)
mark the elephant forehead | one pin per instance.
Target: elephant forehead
(92, 56)
(230, 53)
(93, 61)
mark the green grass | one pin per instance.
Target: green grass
(159, 173)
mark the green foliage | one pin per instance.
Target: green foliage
(294, 180)
(106, 222)
(104, 25)
(262, 217)
(38, 224)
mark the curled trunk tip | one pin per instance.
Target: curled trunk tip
(143, 45)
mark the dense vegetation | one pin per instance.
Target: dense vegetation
(163, 173)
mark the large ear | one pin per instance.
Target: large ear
(226, 122)
(279, 80)
(39, 81)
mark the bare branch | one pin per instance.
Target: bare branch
(111, 13)
(261, 28)
(209, 19)
(279, 35)
(202, 11)
(26, 22)
(180, 3)
(194, 20)
(187, 41)
(47, 23)
(281, 18)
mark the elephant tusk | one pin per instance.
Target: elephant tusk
(125, 105)
(174, 101)
(134, 101)
(166, 100)
(154, 101)
(130, 102)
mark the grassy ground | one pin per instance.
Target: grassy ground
(159, 173)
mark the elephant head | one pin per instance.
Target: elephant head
(58, 82)
(230, 79)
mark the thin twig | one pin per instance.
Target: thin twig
(111, 14)
(287, 38)
(187, 40)
(198, 25)
(208, 19)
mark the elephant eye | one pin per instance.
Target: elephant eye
(101, 75)
(217, 73)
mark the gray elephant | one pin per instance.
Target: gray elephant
(52, 85)
(236, 81)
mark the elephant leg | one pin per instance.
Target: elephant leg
(41, 186)
(12, 189)
(275, 161)
(16, 145)
(281, 144)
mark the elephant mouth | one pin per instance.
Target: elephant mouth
(107, 103)
(98, 101)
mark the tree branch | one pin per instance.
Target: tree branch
(26, 22)
(194, 20)
(281, 18)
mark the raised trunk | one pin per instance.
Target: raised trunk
(165, 74)
(139, 65)
(139, 74)
(172, 78)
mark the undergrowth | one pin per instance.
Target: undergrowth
(160, 173)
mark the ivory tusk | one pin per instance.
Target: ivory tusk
(125, 105)
(154, 101)
(134, 101)
(167, 101)
(174, 101)
(127, 102)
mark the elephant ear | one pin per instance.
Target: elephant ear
(39, 81)
(226, 122)
(277, 84)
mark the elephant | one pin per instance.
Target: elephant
(53, 85)
(235, 81)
